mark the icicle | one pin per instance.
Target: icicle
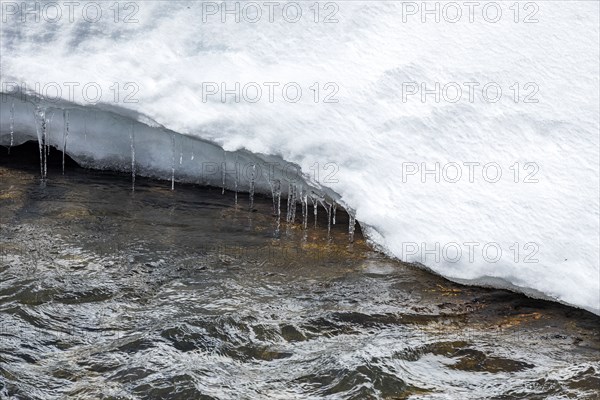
(46, 133)
(304, 210)
(236, 181)
(301, 198)
(351, 225)
(65, 137)
(223, 172)
(272, 194)
(132, 139)
(291, 208)
(294, 203)
(328, 209)
(39, 116)
(289, 202)
(192, 158)
(173, 162)
(42, 134)
(252, 178)
(315, 206)
(223, 180)
(304, 204)
(180, 157)
(334, 212)
(276, 190)
(47, 140)
(12, 125)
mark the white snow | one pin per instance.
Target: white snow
(371, 136)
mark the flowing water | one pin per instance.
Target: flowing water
(112, 293)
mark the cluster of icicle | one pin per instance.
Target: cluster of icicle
(296, 193)
(301, 194)
(42, 122)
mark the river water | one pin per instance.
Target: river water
(109, 293)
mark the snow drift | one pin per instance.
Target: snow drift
(469, 144)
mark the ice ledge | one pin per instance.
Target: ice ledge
(113, 138)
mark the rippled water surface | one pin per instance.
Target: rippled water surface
(107, 293)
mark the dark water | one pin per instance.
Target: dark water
(160, 294)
